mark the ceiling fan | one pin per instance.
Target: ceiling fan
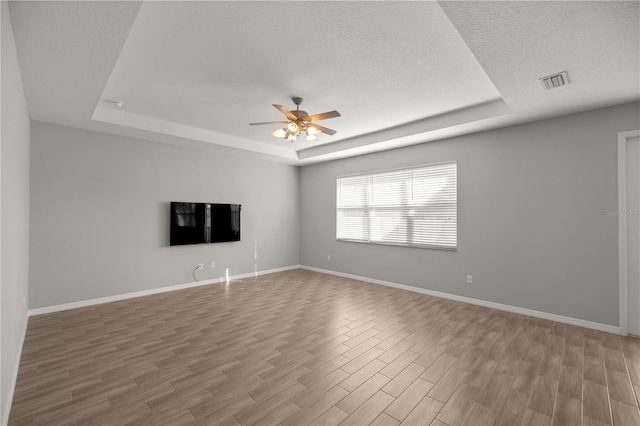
(300, 121)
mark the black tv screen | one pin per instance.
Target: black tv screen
(198, 223)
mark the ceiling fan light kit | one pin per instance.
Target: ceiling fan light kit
(300, 121)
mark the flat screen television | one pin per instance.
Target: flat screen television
(198, 223)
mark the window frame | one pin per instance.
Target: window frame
(409, 228)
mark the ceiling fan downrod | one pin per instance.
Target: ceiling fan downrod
(297, 101)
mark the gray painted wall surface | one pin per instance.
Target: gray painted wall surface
(100, 214)
(532, 228)
(14, 213)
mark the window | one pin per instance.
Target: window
(412, 207)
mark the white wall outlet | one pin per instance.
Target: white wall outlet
(213, 263)
(24, 301)
(199, 265)
(469, 279)
(328, 257)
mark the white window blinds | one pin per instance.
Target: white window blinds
(413, 207)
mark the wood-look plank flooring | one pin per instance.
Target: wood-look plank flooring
(304, 348)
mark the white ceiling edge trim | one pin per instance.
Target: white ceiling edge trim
(433, 136)
(407, 134)
(436, 127)
(178, 141)
(112, 115)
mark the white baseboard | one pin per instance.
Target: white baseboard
(508, 308)
(98, 301)
(14, 379)
(514, 309)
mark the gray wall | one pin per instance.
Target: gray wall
(100, 214)
(14, 212)
(531, 227)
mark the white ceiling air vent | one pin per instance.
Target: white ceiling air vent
(554, 81)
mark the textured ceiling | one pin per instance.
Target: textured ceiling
(196, 73)
(379, 64)
(518, 42)
(67, 51)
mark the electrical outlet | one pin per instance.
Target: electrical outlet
(213, 263)
(199, 265)
(328, 257)
(24, 301)
(469, 279)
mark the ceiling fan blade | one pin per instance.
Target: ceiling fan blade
(286, 112)
(323, 129)
(268, 122)
(323, 116)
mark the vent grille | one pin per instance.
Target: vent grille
(554, 81)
